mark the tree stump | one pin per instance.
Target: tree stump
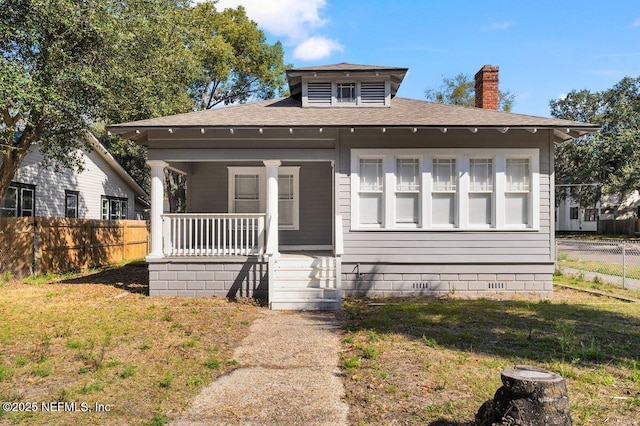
(530, 397)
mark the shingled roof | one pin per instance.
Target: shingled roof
(288, 112)
(395, 74)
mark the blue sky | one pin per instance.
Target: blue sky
(544, 49)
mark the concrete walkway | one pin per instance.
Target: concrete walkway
(287, 375)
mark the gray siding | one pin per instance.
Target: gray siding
(208, 193)
(446, 246)
(97, 179)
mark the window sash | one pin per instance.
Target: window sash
(518, 174)
(114, 208)
(371, 176)
(346, 93)
(480, 175)
(71, 205)
(407, 174)
(444, 174)
(10, 202)
(407, 208)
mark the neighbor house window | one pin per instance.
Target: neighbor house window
(590, 214)
(71, 204)
(114, 208)
(19, 200)
(573, 213)
(445, 188)
(248, 193)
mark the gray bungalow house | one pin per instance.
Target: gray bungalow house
(344, 188)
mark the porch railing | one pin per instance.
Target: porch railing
(213, 234)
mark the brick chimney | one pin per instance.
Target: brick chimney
(487, 87)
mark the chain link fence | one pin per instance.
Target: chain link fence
(613, 261)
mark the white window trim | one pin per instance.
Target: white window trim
(262, 189)
(461, 217)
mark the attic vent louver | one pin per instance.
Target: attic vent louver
(372, 93)
(319, 93)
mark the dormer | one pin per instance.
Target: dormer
(345, 85)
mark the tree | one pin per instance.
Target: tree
(236, 62)
(607, 161)
(69, 66)
(65, 65)
(460, 90)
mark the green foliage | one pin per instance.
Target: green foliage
(460, 90)
(128, 371)
(604, 162)
(167, 380)
(212, 364)
(159, 420)
(350, 363)
(69, 66)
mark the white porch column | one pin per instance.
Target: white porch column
(157, 201)
(272, 206)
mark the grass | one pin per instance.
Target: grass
(595, 284)
(631, 271)
(97, 339)
(436, 361)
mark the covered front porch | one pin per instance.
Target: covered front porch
(262, 229)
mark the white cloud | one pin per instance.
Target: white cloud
(316, 48)
(497, 26)
(636, 23)
(298, 22)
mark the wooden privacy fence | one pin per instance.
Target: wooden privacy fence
(41, 245)
(629, 227)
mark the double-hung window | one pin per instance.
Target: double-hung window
(248, 189)
(443, 202)
(518, 191)
(432, 189)
(71, 204)
(370, 192)
(480, 191)
(19, 200)
(114, 208)
(407, 191)
(246, 194)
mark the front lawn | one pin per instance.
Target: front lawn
(79, 341)
(428, 361)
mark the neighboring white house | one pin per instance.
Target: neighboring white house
(103, 190)
(571, 216)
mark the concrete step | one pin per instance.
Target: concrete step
(293, 282)
(306, 305)
(305, 293)
(287, 273)
(306, 262)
